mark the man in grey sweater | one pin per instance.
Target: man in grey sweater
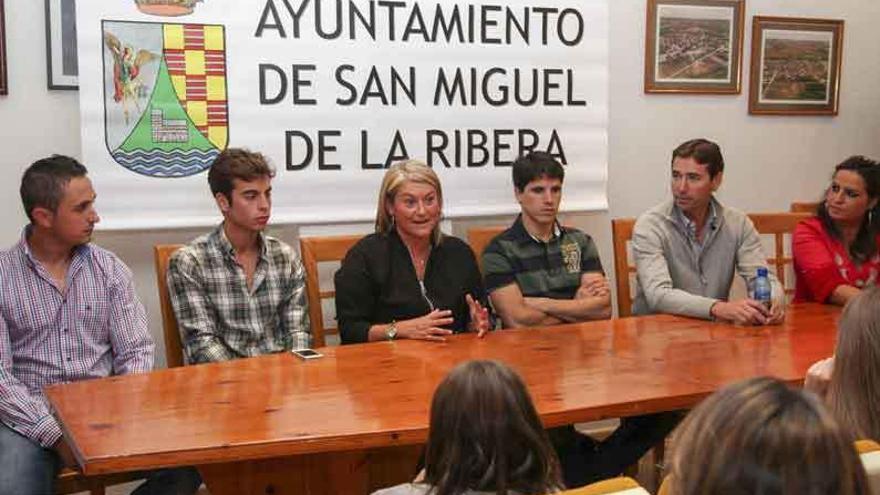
(688, 249)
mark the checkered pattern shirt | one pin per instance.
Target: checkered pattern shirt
(220, 318)
(94, 327)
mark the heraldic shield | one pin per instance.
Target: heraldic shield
(165, 105)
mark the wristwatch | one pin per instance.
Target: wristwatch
(391, 331)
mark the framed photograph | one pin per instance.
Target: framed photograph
(61, 57)
(694, 46)
(4, 82)
(795, 66)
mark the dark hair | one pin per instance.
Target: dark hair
(42, 184)
(236, 163)
(485, 435)
(704, 152)
(533, 166)
(865, 244)
(854, 390)
(759, 436)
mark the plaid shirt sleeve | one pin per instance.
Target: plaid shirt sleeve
(200, 341)
(295, 311)
(129, 335)
(23, 411)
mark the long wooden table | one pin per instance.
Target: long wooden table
(354, 420)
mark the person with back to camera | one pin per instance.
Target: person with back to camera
(850, 380)
(485, 437)
(759, 436)
(408, 280)
(836, 252)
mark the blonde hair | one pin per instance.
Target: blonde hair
(854, 390)
(396, 176)
(760, 436)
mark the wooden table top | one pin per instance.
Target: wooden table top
(379, 394)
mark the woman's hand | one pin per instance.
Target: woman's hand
(426, 327)
(819, 376)
(479, 316)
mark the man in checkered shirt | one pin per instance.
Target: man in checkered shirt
(68, 312)
(237, 292)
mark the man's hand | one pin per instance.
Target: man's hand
(777, 312)
(819, 376)
(742, 312)
(593, 284)
(65, 454)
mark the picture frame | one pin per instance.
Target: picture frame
(694, 46)
(4, 80)
(61, 57)
(795, 66)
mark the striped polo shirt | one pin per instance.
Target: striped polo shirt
(540, 269)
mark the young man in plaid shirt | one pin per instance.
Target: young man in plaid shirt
(68, 312)
(237, 292)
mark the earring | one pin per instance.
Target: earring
(393, 221)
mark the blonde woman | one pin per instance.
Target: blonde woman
(408, 280)
(761, 437)
(850, 380)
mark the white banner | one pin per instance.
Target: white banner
(333, 91)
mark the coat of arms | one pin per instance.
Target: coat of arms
(165, 104)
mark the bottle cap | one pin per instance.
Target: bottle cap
(762, 272)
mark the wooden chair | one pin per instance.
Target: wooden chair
(173, 345)
(315, 250)
(621, 234)
(479, 238)
(869, 453)
(804, 207)
(779, 225)
(621, 485)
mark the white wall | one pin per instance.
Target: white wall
(770, 160)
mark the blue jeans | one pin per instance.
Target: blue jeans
(27, 468)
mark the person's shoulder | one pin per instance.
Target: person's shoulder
(502, 241)
(653, 219)
(581, 236)
(196, 248)
(107, 261)
(812, 225)
(453, 243)
(277, 247)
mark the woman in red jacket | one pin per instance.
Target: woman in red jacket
(836, 252)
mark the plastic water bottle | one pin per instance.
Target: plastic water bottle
(763, 292)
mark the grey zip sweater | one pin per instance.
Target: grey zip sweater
(674, 277)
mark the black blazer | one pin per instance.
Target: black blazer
(377, 283)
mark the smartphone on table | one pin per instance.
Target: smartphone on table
(306, 354)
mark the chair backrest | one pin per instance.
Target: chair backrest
(316, 250)
(621, 234)
(804, 207)
(869, 452)
(779, 225)
(173, 345)
(479, 238)
(618, 486)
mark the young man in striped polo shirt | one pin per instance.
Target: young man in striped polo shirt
(538, 273)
